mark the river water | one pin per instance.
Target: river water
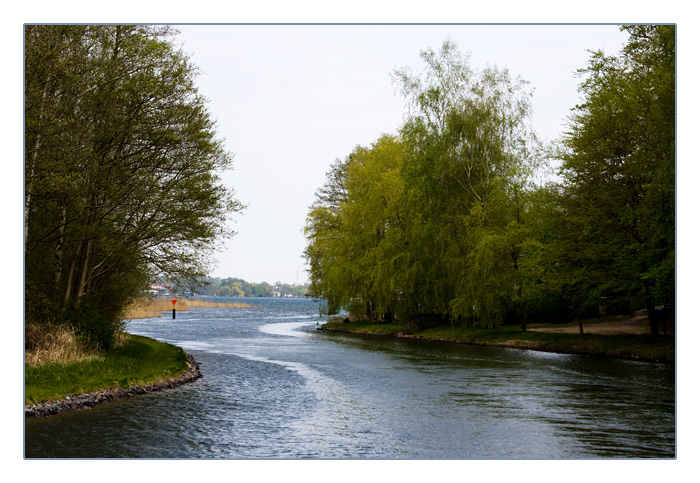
(274, 387)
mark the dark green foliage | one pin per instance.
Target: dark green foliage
(121, 162)
(619, 173)
(96, 316)
(90, 320)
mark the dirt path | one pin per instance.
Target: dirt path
(634, 325)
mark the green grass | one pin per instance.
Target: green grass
(363, 327)
(138, 361)
(641, 347)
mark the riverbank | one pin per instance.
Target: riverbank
(621, 345)
(138, 366)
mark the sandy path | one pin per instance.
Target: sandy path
(634, 325)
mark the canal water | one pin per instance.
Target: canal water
(274, 387)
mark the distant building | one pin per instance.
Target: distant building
(159, 290)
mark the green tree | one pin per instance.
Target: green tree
(263, 289)
(238, 289)
(432, 222)
(225, 291)
(619, 171)
(121, 170)
(471, 156)
(354, 233)
(373, 225)
(323, 230)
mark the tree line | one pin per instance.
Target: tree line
(451, 218)
(121, 172)
(236, 287)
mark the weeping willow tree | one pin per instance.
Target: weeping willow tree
(444, 221)
(354, 229)
(432, 222)
(472, 154)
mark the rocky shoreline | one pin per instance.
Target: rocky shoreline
(89, 400)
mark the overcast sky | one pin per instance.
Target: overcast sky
(290, 99)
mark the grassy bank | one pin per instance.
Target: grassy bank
(628, 346)
(59, 362)
(134, 361)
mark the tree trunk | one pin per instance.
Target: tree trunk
(580, 325)
(82, 287)
(29, 182)
(651, 313)
(28, 187)
(58, 260)
(71, 274)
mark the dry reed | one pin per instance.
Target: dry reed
(210, 303)
(155, 306)
(54, 345)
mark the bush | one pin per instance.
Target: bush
(95, 319)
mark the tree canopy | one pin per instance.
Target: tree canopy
(427, 220)
(121, 163)
(619, 171)
(444, 220)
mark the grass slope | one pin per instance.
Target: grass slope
(137, 361)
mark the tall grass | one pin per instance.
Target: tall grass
(210, 303)
(150, 307)
(54, 344)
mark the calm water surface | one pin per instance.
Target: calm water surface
(274, 387)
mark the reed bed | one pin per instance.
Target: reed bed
(155, 306)
(211, 303)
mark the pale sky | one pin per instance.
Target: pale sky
(290, 99)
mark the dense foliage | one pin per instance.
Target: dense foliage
(619, 173)
(121, 162)
(444, 220)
